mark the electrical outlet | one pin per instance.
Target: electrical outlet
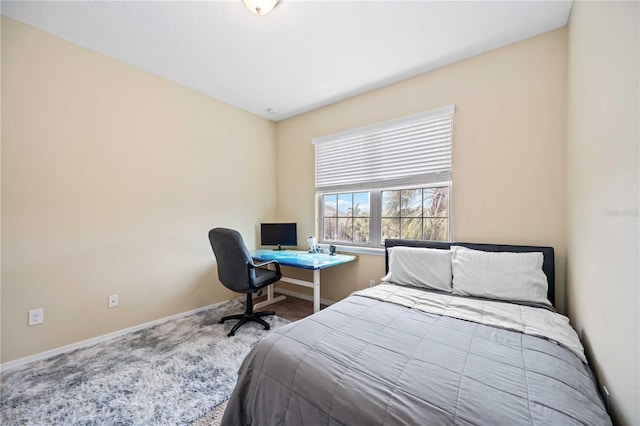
(372, 283)
(36, 316)
(113, 301)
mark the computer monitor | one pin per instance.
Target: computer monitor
(278, 234)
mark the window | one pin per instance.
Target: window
(416, 214)
(388, 180)
(346, 217)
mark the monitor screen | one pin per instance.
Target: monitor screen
(278, 234)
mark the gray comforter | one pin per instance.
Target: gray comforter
(368, 362)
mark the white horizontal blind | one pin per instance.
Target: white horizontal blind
(406, 151)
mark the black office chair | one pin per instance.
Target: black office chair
(237, 272)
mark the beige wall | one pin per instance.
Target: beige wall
(111, 179)
(602, 194)
(0, 195)
(508, 150)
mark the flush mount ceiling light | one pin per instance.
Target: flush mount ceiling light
(260, 7)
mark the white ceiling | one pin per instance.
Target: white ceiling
(304, 55)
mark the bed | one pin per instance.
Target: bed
(456, 333)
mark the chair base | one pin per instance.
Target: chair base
(247, 316)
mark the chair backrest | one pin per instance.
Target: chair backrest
(233, 259)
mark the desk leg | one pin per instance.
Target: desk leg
(316, 290)
(270, 292)
(270, 298)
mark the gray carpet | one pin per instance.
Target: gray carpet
(169, 374)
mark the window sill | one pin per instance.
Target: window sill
(373, 251)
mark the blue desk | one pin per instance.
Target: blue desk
(304, 260)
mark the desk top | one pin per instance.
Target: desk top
(302, 259)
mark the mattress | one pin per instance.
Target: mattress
(368, 361)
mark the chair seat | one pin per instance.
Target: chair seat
(263, 277)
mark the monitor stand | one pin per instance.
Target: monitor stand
(279, 248)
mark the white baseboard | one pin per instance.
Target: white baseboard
(95, 340)
(99, 339)
(302, 296)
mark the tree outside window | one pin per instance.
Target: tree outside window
(346, 217)
(416, 214)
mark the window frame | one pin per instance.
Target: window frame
(375, 213)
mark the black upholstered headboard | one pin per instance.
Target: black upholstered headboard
(547, 252)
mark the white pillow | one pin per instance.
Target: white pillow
(499, 275)
(420, 267)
